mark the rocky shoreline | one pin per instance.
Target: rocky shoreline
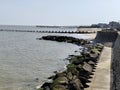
(80, 68)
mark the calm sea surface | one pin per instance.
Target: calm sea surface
(23, 59)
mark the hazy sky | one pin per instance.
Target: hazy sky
(58, 12)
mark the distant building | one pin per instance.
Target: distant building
(103, 25)
(95, 26)
(100, 25)
(111, 25)
(114, 25)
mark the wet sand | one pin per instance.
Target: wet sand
(90, 36)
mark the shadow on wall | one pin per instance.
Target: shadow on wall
(115, 65)
(106, 37)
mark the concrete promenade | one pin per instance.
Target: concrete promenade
(102, 75)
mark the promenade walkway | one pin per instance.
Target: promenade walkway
(101, 78)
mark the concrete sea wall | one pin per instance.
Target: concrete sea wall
(114, 38)
(116, 65)
(106, 37)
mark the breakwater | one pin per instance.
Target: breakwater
(48, 29)
(78, 71)
(36, 31)
(65, 39)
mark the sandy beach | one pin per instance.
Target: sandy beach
(91, 36)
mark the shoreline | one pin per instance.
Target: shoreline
(90, 36)
(78, 64)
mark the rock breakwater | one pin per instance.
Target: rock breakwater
(80, 68)
(65, 39)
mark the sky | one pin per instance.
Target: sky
(58, 12)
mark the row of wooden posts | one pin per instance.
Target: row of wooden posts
(49, 31)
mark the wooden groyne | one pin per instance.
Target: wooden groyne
(35, 31)
(49, 29)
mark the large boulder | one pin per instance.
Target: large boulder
(72, 68)
(87, 67)
(77, 60)
(91, 63)
(77, 85)
(69, 76)
(60, 74)
(59, 87)
(93, 57)
(95, 51)
(60, 81)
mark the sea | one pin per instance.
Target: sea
(26, 62)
